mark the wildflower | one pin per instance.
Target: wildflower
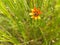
(35, 13)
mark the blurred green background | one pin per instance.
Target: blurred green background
(17, 27)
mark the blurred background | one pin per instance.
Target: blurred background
(17, 27)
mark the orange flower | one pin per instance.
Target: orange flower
(35, 13)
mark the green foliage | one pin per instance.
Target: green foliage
(17, 27)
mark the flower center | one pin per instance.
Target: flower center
(36, 14)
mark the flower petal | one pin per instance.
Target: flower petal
(30, 13)
(32, 10)
(38, 17)
(32, 16)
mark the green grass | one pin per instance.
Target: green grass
(17, 27)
